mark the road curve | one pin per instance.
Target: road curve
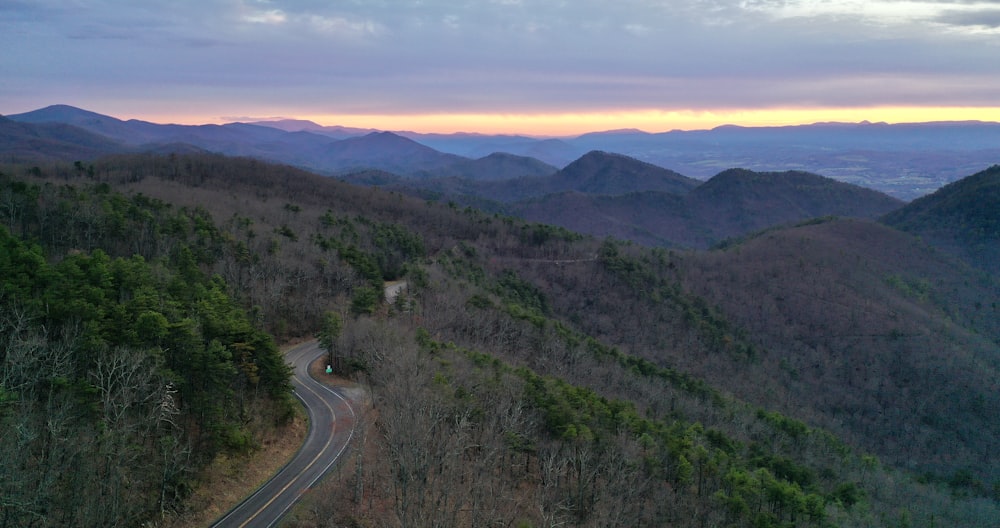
(331, 427)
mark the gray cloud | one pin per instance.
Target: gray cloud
(981, 18)
(316, 56)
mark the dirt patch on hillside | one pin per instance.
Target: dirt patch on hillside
(230, 479)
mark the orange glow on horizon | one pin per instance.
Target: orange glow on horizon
(570, 124)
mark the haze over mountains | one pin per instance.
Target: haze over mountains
(906, 160)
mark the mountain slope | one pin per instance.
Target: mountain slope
(383, 151)
(69, 115)
(31, 141)
(863, 327)
(733, 203)
(131, 132)
(499, 166)
(236, 139)
(594, 173)
(962, 218)
(738, 201)
(650, 218)
(531, 371)
(302, 125)
(300, 143)
(600, 172)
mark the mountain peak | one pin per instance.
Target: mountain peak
(305, 125)
(288, 125)
(602, 172)
(386, 134)
(619, 132)
(386, 151)
(619, 162)
(389, 138)
(623, 133)
(59, 113)
(743, 200)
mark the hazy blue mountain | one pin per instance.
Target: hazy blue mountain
(469, 145)
(554, 152)
(32, 141)
(232, 139)
(614, 140)
(303, 125)
(499, 166)
(903, 160)
(384, 151)
(301, 143)
(132, 132)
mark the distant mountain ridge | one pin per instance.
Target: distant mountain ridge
(904, 160)
(741, 200)
(733, 203)
(304, 125)
(594, 173)
(384, 151)
(29, 141)
(599, 172)
(300, 143)
(606, 194)
(599, 193)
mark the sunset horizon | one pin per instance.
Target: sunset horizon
(507, 66)
(652, 121)
(572, 123)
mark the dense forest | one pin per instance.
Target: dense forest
(125, 366)
(960, 217)
(811, 375)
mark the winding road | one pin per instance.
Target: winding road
(331, 427)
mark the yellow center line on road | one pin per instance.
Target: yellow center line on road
(309, 465)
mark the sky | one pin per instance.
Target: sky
(542, 67)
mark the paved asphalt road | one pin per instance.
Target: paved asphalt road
(331, 426)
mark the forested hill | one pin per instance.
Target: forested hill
(962, 218)
(733, 203)
(125, 366)
(528, 375)
(23, 141)
(607, 173)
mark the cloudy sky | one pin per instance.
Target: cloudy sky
(530, 66)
